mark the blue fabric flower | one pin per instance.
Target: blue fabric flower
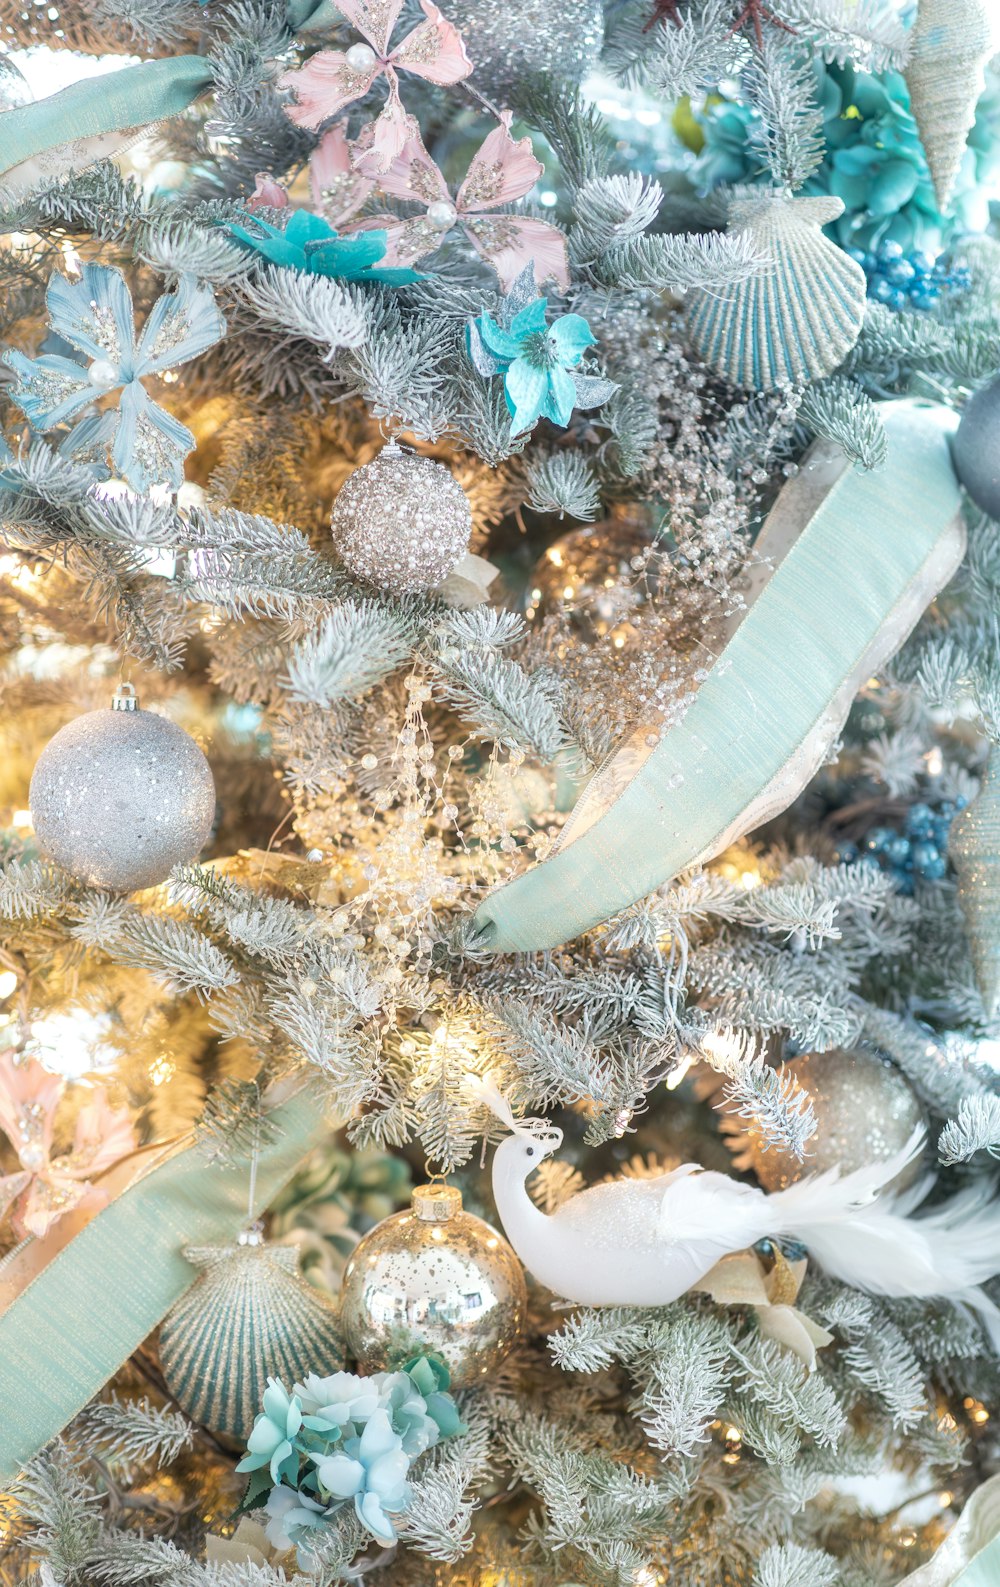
(271, 1438)
(430, 1377)
(310, 244)
(372, 1471)
(334, 1406)
(293, 1519)
(95, 316)
(873, 160)
(538, 363)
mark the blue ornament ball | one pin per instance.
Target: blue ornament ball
(976, 448)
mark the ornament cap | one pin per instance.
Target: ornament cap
(125, 698)
(436, 1203)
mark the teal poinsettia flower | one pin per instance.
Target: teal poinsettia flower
(94, 315)
(371, 1470)
(539, 362)
(271, 1441)
(310, 244)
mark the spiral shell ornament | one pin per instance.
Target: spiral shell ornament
(974, 847)
(951, 43)
(795, 321)
(247, 1317)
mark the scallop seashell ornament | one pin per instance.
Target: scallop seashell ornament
(248, 1317)
(951, 43)
(974, 849)
(795, 321)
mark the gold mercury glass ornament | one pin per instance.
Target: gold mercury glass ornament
(433, 1280)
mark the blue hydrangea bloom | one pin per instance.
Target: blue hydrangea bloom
(293, 1519)
(310, 244)
(371, 1470)
(95, 316)
(271, 1439)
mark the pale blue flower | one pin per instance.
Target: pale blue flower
(95, 315)
(271, 1439)
(539, 364)
(335, 1404)
(372, 1471)
(293, 1519)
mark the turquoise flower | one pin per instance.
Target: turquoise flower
(430, 1377)
(271, 1439)
(94, 314)
(372, 1471)
(873, 160)
(310, 244)
(538, 361)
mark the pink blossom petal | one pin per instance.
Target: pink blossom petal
(411, 175)
(508, 242)
(29, 1096)
(103, 1134)
(383, 140)
(324, 85)
(47, 1199)
(338, 190)
(501, 170)
(434, 50)
(375, 22)
(406, 240)
(267, 194)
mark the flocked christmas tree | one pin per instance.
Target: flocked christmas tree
(500, 869)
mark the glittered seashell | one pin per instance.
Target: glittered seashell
(793, 322)
(974, 847)
(248, 1317)
(951, 43)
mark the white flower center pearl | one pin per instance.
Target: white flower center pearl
(102, 372)
(361, 57)
(442, 214)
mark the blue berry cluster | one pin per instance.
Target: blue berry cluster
(920, 850)
(909, 280)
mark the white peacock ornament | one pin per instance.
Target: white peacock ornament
(646, 1242)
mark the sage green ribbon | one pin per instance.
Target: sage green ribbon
(984, 1570)
(94, 1303)
(871, 551)
(117, 102)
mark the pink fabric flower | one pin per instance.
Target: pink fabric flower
(500, 172)
(331, 79)
(47, 1186)
(267, 194)
(338, 188)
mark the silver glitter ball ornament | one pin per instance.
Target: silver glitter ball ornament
(975, 448)
(248, 1317)
(508, 38)
(434, 1280)
(401, 522)
(119, 797)
(865, 1111)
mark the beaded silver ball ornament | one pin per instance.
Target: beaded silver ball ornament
(401, 522)
(119, 797)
